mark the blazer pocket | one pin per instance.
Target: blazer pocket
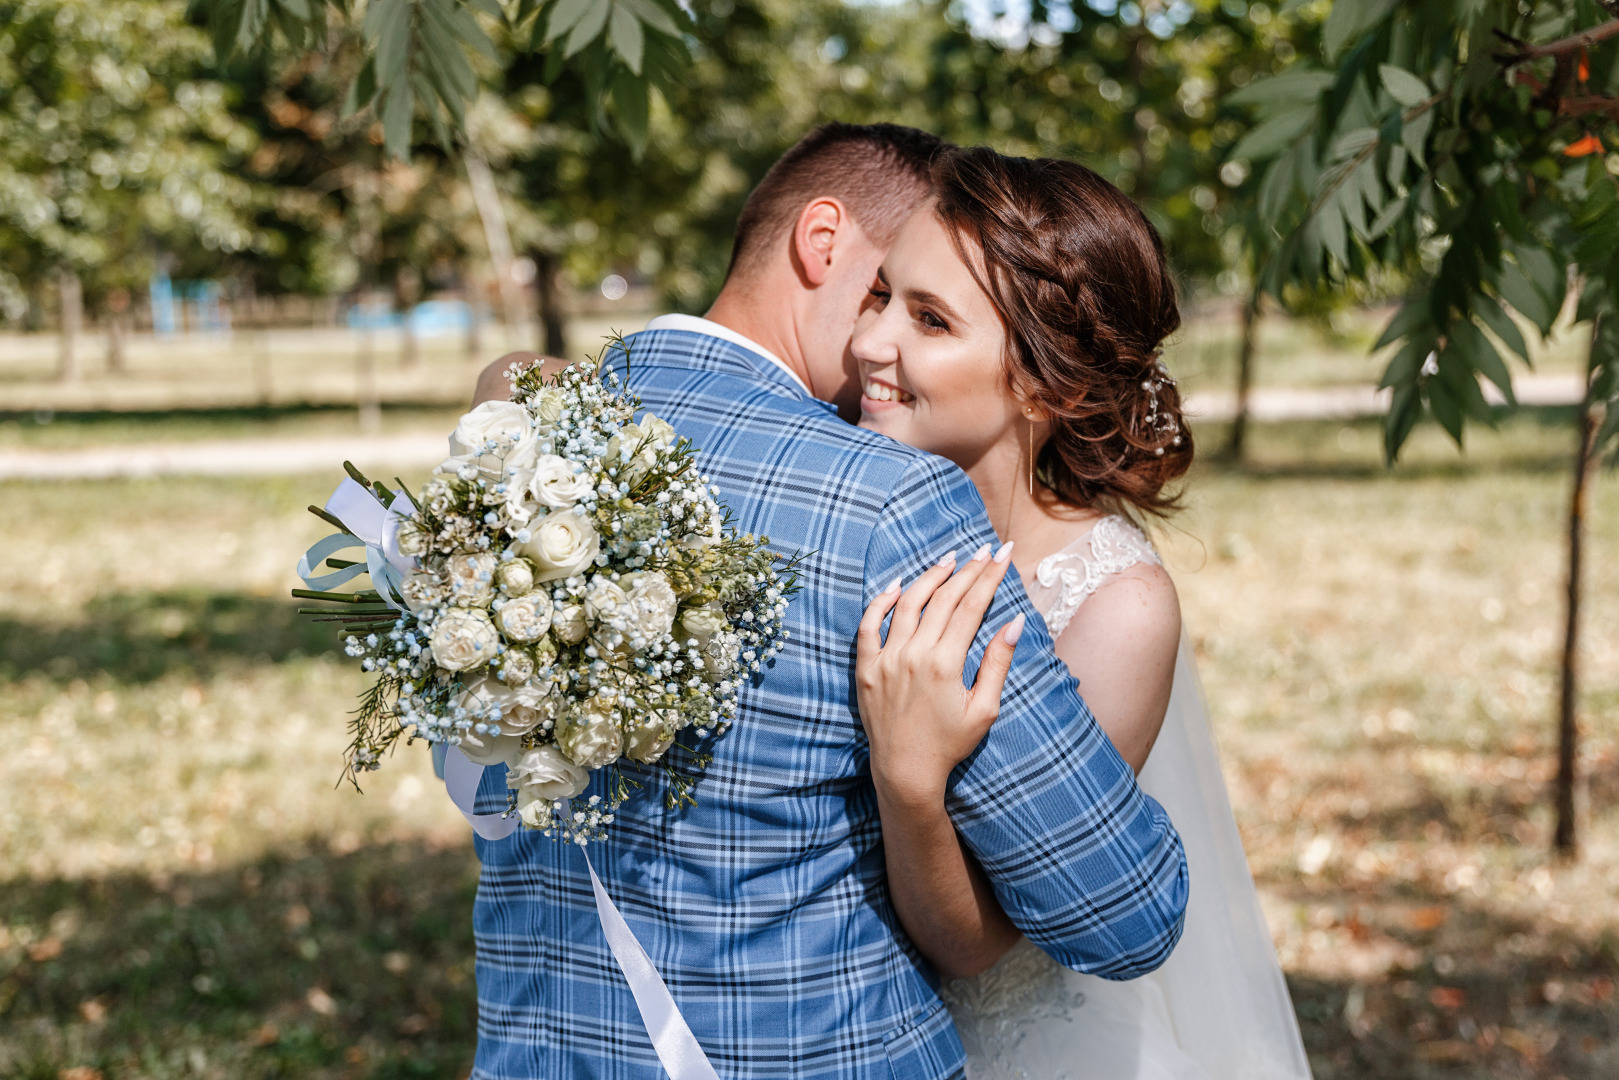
(927, 1048)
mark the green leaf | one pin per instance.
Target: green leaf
(490, 8)
(1348, 20)
(1385, 221)
(631, 106)
(1275, 188)
(588, 28)
(653, 16)
(1330, 221)
(1351, 143)
(1496, 318)
(1274, 135)
(1480, 355)
(1406, 364)
(1281, 92)
(392, 39)
(1403, 86)
(1457, 376)
(1412, 315)
(565, 15)
(624, 32)
(1404, 411)
(1445, 409)
(363, 90)
(1414, 136)
(396, 119)
(1516, 290)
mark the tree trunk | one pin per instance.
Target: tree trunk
(116, 331)
(548, 299)
(496, 235)
(72, 296)
(1245, 376)
(469, 293)
(1565, 838)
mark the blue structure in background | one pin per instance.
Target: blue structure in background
(161, 290)
(426, 319)
(208, 314)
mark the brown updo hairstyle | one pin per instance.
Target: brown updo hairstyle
(1078, 276)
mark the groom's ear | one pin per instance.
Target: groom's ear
(821, 224)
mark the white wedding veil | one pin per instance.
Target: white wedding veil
(1218, 1009)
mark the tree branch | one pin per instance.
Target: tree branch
(1588, 106)
(1573, 43)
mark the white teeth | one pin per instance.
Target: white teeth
(882, 392)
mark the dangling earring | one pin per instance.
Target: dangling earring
(1031, 454)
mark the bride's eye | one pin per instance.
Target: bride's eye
(932, 321)
(880, 295)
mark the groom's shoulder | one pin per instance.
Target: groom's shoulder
(702, 382)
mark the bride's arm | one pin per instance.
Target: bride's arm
(1121, 647)
(493, 384)
(921, 722)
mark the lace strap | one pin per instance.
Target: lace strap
(1111, 547)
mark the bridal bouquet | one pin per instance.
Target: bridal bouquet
(563, 596)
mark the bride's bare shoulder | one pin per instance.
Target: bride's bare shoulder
(493, 384)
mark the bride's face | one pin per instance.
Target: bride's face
(931, 350)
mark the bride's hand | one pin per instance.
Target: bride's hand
(919, 718)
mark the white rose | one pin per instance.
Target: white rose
(515, 577)
(516, 667)
(546, 407)
(570, 623)
(422, 589)
(591, 738)
(660, 432)
(701, 623)
(706, 534)
(534, 811)
(525, 718)
(604, 600)
(490, 750)
(520, 505)
(558, 482)
(525, 618)
(653, 602)
(496, 436)
(411, 539)
(634, 451)
(471, 578)
(562, 544)
(463, 638)
(545, 774)
(648, 738)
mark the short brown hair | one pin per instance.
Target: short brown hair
(1078, 276)
(878, 171)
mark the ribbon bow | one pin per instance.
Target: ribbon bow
(370, 525)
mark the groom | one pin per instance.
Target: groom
(765, 907)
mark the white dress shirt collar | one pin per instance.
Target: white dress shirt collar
(698, 325)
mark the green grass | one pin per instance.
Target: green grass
(184, 892)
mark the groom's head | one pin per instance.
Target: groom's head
(811, 237)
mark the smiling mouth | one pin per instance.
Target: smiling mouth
(877, 391)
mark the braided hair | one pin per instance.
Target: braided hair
(1078, 276)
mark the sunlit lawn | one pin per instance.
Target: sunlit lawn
(184, 893)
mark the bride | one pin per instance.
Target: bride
(1014, 328)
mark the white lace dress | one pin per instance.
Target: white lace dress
(1218, 1009)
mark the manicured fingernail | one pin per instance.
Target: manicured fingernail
(981, 554)
(1013, 631)
(1005, 552)
(893, 587)
(949, 557)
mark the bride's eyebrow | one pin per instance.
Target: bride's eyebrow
(932, 300)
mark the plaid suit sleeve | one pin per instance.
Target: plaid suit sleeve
(1084, 863)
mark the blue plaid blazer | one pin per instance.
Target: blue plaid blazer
(766, 907)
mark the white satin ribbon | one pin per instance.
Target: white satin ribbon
(677, 1047)
(376, 528)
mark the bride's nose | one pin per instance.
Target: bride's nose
(873, 342)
